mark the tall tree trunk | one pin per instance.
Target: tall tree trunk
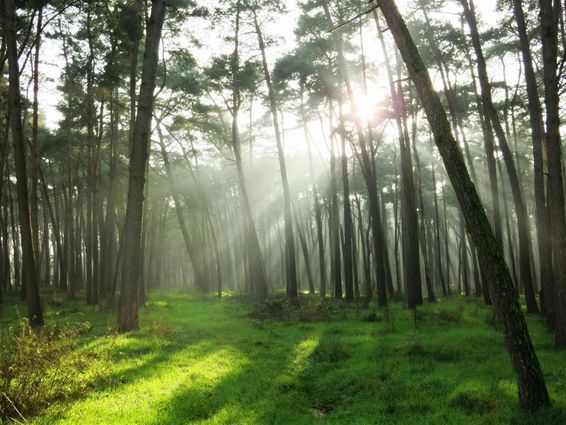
(128, 315)
(532, 389)
(30, 276)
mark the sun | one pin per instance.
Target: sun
(369, 103)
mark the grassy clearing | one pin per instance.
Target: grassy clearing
(205, 361)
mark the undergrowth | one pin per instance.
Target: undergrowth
(39, 367)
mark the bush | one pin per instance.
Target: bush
(38, 367)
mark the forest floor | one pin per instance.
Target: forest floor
(206, 361)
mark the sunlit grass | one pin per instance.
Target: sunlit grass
(204, 361)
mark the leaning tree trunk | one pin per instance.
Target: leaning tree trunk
(128, 308)
(532, 389)
(30, 276)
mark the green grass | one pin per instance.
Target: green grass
(204, 361)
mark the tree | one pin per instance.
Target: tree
(129, 296)
(30, 276)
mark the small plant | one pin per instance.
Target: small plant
(38, 367)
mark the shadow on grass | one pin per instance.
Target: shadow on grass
(250, 393)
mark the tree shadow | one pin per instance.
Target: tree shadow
(247, 394)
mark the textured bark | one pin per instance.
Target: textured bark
(532, 389)
(128, 308)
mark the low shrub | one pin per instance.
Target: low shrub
(38, 367)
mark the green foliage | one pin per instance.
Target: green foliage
(39, 368)
(205, 361)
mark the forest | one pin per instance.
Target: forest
(282, 212)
